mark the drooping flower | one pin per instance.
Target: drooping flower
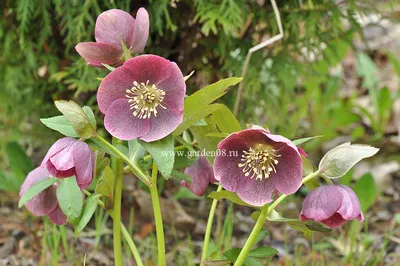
(255, 164)
(68, 157)
(143, 98)
(331, 205)
(202, 174)
(113, 29)
(44, 203)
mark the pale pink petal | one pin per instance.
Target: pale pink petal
(83, 158)
(97, 53)
(259, 194)
(350, 208)
(334, 221)
(162, 125)
(57, 147)
(141, 31)
(121, 123)
(202, 174)
(321, 203)
(44, 202)
(57, 216)
(114, 26)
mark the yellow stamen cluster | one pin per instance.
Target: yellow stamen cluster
(259, 162)
(144, 99)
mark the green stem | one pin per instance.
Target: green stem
(125, 233)
(136, 170)
(265, 211)
(117, 167)
(208, 228)
(157, 217)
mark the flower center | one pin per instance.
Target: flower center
(144, 99)
(259, 162)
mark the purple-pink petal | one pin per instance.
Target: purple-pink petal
(57, 216)
(202, 174)
(121, 123)
(115, 26)
(57, 147)
(334, 221)
(97, 53)
(350, 208)
(141, 31)
(321, 203)
(44, 202)
(259, 194)
(83, 158)
(162, 125)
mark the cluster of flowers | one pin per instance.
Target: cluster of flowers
(144, 98)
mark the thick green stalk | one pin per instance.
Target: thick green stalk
(117, 167)
(209, 227)
(125, 233)
(265, 211)
(139, 173)
(157, 217)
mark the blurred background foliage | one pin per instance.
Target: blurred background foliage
(335, 73)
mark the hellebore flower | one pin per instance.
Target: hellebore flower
(68, 157)
(255, 163)
(202, 174)
(143, 98)
(115, 28)
(331, 205)
(44, 203)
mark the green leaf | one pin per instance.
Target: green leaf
(346, 179)
(338, 161)
(8, 183)
(190, 118)
(216, 262)
(70, 199)
(365, 190)
(263, 252)
(208, 144)
(136, 151)
(300, 141)
(384, 108)
(263, 233)
(231, 196)
(316, 226)
(105, 185)
(77, 117)
(225, 120)
(367, 69)
(89, 112)
(60, 124)
(88, 210)
(218, 135)
(163, 153)
(395, 62)
(98, 145)
(20, 163)
(308, 169)
(108, 67)
(36, 189)
(233, 254)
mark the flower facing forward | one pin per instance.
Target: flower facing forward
(202, 174)
(68, 157)
(115, 28)
(331, 205)
(44, 203)
(257, 164)
(143, 98)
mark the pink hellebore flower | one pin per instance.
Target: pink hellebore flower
(331, 205)
(202, 174)
(113, 29)
(143, 98)
(255, 163)
(68, 157)
(44, 203)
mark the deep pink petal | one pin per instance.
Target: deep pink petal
(57, 147)
(114, 26)
(44, 202)
(96, 53)
(83, 158)
(287, 178)
(260, 192)
(162, 125)
(321, 203)
(350, 208)
(148, 67)
(141, 31)
(57, 216)
(335, 221)
(113, 87)
(175, 89)
(302, 152)
(202, 174)
(226, 169)
(60, 174)
(121, 123)
(282, 139)
(63, 160)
